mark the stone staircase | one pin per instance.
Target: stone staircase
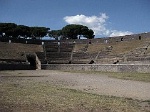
(58, 53)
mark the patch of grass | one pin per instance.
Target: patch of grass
(131, 76)
(127, 76)
(43, 97)
(19, 74)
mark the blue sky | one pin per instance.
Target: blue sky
(105, 17)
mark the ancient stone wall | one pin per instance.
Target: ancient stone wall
(97, 67)
(82, 41)
(17, 66)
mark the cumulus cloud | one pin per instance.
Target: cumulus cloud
(119, 33)
(96, 23)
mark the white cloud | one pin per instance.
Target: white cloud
(96, 23)
(119, 33)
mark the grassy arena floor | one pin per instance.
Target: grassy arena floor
(42, 97)
(18, 94)
(145, 77)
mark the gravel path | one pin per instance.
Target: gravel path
(98, 84)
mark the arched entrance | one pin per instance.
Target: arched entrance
(32, 60)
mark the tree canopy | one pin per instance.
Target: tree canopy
(55, 33)
(14, 30)
(72, 31)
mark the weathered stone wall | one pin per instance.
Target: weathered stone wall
(97, 67)
(6, 66)
(80, 41)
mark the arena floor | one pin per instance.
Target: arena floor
(91, 83)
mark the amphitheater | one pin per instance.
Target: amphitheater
(130, 53)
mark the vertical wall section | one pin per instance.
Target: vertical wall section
(97, 67)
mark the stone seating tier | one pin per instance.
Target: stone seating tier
(56, 55)
(81, 55)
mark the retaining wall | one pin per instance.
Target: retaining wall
(79, 41)
(97, 67)
(6, 66)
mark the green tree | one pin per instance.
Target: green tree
(55, 34)
(22, 30)
(13, 30)
(7, 28)
(72, 31)
(38, 31)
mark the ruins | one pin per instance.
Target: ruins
(36, 54)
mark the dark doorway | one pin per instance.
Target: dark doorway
(32, 60)
(140, 37)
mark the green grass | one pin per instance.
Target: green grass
(120, 75)
(18, 94)
(131, 76)
(43, 97)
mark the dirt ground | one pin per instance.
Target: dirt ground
(91, 83)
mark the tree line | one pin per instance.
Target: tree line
(13, 30)
(72, 31)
